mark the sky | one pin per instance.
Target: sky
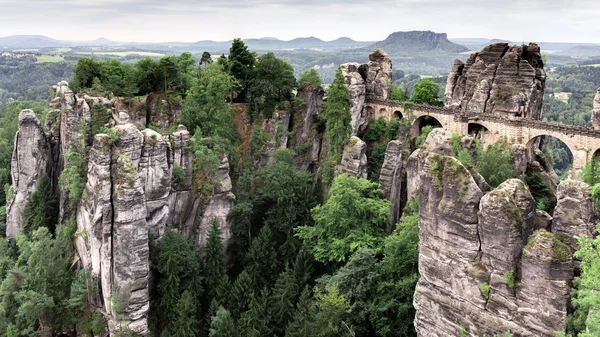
(363, 20)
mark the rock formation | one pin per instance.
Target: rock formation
(308, 136)
(29, 162)
(502, 80)
(373, 80)
(131, 195)
(596, 111)
(483, 269)
(392, 179)
(575, 213)
(354, 159)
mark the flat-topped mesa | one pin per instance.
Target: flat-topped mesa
(500, 80)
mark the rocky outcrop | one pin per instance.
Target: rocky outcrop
(218, 207)
(392, 179)
(372, 80)
(308, 135)
(112, 227)
(277, 126)
(354, 159)
(596, 111)
(29, 162)
(575, 213)
(358, 93)
(378, 79)
(482, 268)
(501, 80)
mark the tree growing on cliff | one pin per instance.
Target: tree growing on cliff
(214, 261)
(310, 77)
(337, 114)
(241, 65)
(271, 84)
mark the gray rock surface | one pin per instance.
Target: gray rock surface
(29, 162)
(354, 159)
(501, 80)
(575, 213)
(392, 179)
(358, 93)
(308, 141)
(596, 111)
(378, 80)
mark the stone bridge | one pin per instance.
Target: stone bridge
(583, 142)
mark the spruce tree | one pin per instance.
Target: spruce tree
(215, 264)
(222, 324)
(302, 324)
(261, 259)
(42, 208)
(255, 321)
(283, 301)
(337, 114)
(186, 321)
(238, 299)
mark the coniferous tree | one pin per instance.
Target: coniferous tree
(241, 65)
(302, 324)
(261, 259)
(337, 114)
(41, 210)
(186, 321)
(283, 301)
(222, 324)
(215, 260)
(255, 321)
(238, 299)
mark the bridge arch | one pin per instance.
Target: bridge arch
(475, 128)
(563, 156)
(397, 114)
(421, 122)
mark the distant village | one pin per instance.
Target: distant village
(28, 53)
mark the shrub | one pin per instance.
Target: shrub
(485, 289)
(178, 172)
(510, 278)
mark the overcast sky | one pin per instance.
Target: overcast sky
(365, 20)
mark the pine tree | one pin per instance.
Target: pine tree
(215, 264)
(302, 324)
(254, 322)
(261, 259)
(238, 299)
(283, 301)
(41, 210)
(186, 321)
(222, 324)
(337, 114)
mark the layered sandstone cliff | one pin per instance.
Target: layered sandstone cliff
(501, 80)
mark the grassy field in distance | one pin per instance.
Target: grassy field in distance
(124, 53)
(49, 58)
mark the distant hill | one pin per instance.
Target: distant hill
(29, 42)
(417, 41)
(581, 51)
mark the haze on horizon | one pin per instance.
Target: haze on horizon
(187, 21)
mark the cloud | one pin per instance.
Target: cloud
(188, 20)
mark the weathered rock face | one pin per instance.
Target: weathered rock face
(372, 80)
(354, 159)
(392, 179)
(378, 80)
(501, 80)
(218, 207)
(575, 213)
(358, 93)
(29, 162)
(308, 139)
(596, 111)
(114, 232)
(278, 127)
(482, 266)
